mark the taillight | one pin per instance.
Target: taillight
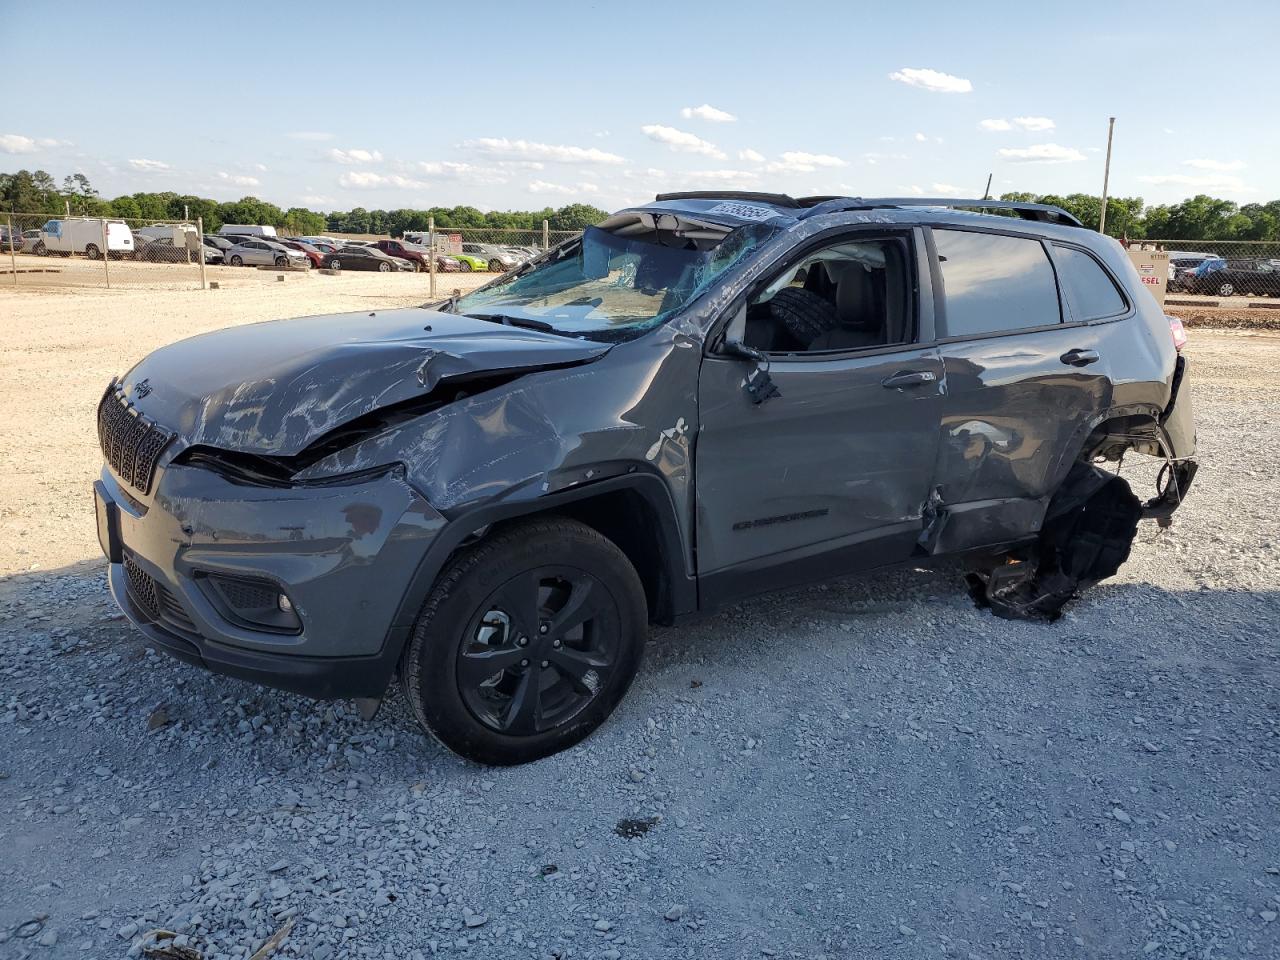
(1178, 331)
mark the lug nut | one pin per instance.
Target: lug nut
(522, 641)
(546, 663)
(556, 644)
(544, 628)
(524, 663)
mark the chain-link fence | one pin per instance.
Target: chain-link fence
(1222, 268)
(40, 250)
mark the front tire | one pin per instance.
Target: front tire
(384, 268)
(237, 261)
(1226, 289)
(92, 251)
(495, 266)
(464, 266)
(526, 643)
(40, 250)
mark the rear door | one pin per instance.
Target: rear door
(1026, 373)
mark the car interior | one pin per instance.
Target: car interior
(848, 296)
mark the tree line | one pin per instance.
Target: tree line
(1197, 218)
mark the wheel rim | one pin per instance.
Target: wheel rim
(539, 651)
(335, 264)
(384, 267)
(92, 252)
(1226, 290)
(236, 261)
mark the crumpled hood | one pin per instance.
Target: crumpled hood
(273, 388)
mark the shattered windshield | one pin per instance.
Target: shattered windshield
(610, 287)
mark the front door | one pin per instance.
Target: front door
(832, 473)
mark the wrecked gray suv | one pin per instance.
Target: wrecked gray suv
(701, 398)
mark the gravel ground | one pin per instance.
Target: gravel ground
(871, 768)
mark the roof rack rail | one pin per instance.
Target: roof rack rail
(777, 199)
(1042, 212)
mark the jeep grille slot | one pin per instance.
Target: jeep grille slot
(131, 443)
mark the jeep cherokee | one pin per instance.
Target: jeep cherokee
(699, 399)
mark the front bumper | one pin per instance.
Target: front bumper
(344, 553)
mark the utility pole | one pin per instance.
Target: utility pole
(1106, 177)
(431, 233)
(986, 194)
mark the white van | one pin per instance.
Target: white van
(84, 235)
(182, 234)
(245, 230)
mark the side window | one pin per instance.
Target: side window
(1092, 294)
(849, 295)
(995, 283)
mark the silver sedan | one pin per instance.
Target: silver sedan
(264, 253)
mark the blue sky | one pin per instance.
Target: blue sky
(523, 105)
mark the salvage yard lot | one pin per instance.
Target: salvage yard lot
(871, 768)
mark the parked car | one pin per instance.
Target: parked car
(246, 230)
(320, 241)
(314, 255)
(10, 242)
(29, 240)
(1233, 278)
(164, 250)
(354, 257)
(264, 253)
(417, 255)
(1182, 265)
(514, 484)
(84, 235)
(467, 262)
(220, 244)
(447, 264)
(496, 259)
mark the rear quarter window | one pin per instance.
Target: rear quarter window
(1091, 292)
(995, 283)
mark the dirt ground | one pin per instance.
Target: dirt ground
(870, 768)
(60, 347)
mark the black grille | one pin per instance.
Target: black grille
(154, 599)
(131, 443)
(247, 596)
(142, 588)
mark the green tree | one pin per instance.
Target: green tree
(576, 216)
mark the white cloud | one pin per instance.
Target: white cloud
(945, 190)
(1220, 165)
(17, 143)
(531, 150)
(316, 136)
(932, 80)
(1041, 153)
(797, 161)
(1034, 124)
(1221, 182)
(751, 156)
(874, 158)
(315, 200)
(681, 141)
(149, 166)
(921, 138)
(914, 190)
(707, 112)
(367, 180)
(566, 190)
(353, 156)
(238, 180)
(728, 178)
(466, 172)
(1030, 124)
(260, 167)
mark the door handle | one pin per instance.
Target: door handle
(1079, 358)
(909, 378)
